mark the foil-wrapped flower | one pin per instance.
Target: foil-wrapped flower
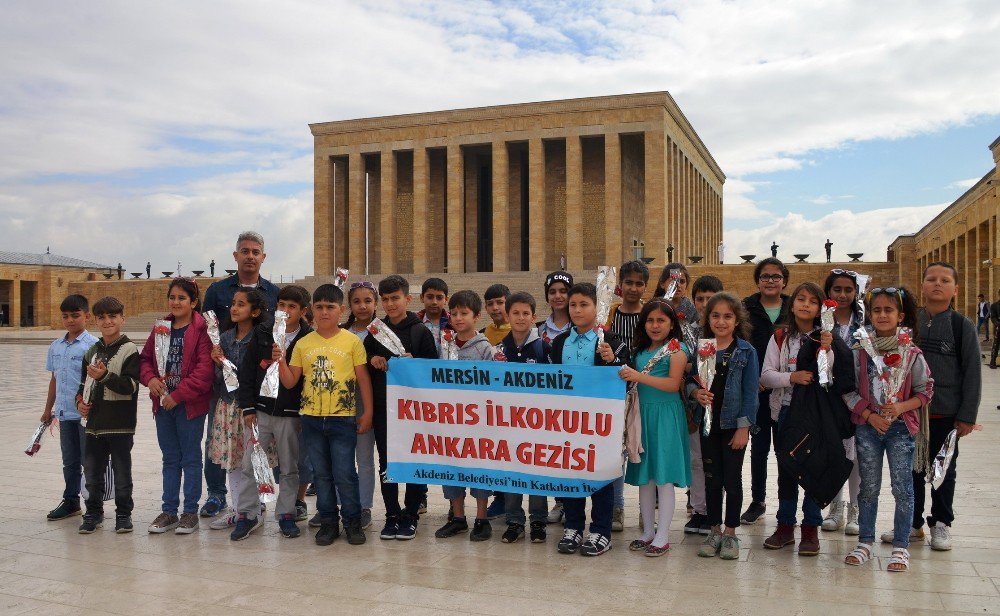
(830, 303)
(893, 360)
(707, 349)
(904, 338)
(673, 346)
(681, 316)
(706, 374)
(341, 277)
(36, 440)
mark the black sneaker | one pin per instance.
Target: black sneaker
(481, 531)
(91, 522)
(407, 529)
(311, 490)
(286, 524)
(67, 508)
(570, 541)
(244, 526)
(355, 534)
(453, 527)
(538, 532)
(706, 528)
(497, 508)
(315, 521)
(753, 513)
(123, 524)
(693, 526)
(423, 505)
(595, 545)
(390, 529)
(301, 511)
(514, 532)
(327, 533)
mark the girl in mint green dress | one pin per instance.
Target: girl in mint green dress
(665, 459)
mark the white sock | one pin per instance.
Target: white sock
(647, 507)
(667, 504)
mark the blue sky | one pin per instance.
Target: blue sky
(152, 136)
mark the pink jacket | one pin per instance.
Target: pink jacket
(197, 369)
(918, 383)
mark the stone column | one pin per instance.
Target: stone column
(356, 212)
(656, 211)
(421, 178)
(456, 194)
(537, 236)
(501, 215)
(574, 204)
(388, 210)
(15, 303)
(612, 199)
(323, 258)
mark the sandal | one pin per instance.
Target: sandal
(861, 554)
(899, 562)
(639, 545)
(653, 551)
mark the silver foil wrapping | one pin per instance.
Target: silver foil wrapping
(229, 375)
(341, 278)
(36, 440)
(607, 278)
(822, 360)
(266, 489)
(675, 277)
(449, 347)
(706, 374)
(212, 322)
(88, 384)
(270, 386)
(161, 344)
(386, 337)
(943, 460)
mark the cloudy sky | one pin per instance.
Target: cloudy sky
(135, 131)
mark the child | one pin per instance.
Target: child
(434, 316)
(394, 292)
(181, 398)
(951, 348)
(632, 279)
(791, 364)
(579, 346)
(277, 420)
(733, 397)
(63, 362)
(227, 440)
(888, 428)
(557, 286)
(363, 299)
(110, 416)
(464, 308)
(522, 345)
(496, 297)
(331, 364)
(683, 307)
(768, 307)
(665, 461)
(842, 287)
(702, 290)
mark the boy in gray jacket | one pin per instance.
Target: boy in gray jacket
(951, 348)
(465, 307)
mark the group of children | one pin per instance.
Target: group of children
(818, 394)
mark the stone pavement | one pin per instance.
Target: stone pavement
(48, 568)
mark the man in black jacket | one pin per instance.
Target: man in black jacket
(418, 341)
(995, 318)
(767, 308)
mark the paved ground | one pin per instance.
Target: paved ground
(47, 568)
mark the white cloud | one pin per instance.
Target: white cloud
(868, 232)
(964, 184)
(100, 91)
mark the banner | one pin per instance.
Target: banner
(552, 430)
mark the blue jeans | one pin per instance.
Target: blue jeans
(788, 493)
(215, 477)
(305, 464)
(602, 503)
(619, 502)
(897, 445)
(72, 441)
(180, 445)
(332, 442)
(453, 492)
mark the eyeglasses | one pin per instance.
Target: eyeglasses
(771, 278)
(364, 284)
(843, 272)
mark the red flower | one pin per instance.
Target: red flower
(265, 488)
(618, 291)
(830, 303)
(904, 338)
(447, 335)
(372, 330)
(673, 346)
(706, 350)
(161, 330)
(681, 316)
(264, 363)
(499, 356)
(893, 360)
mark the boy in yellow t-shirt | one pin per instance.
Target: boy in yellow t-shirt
(331, 363)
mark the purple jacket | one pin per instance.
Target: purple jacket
(918, 383)
(197, 369)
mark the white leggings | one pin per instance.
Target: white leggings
(647, 506)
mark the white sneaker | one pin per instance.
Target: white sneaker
(225, 519)
(835, 518)
(852, 528)
(555, 514)
(941, 537)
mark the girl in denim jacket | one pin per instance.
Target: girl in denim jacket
(891, 428)
(734, 401)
